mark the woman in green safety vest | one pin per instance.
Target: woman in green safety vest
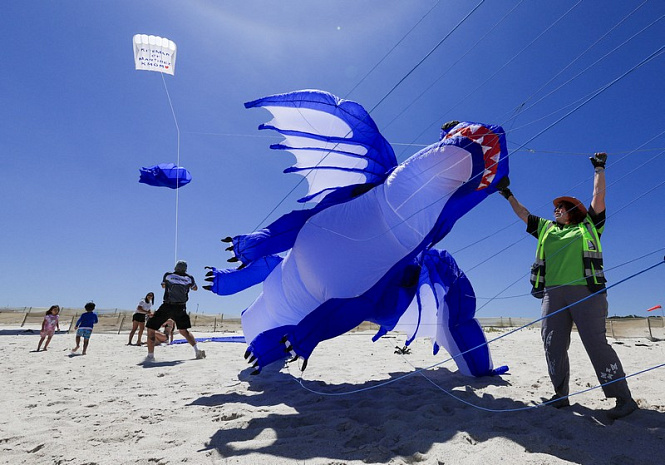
(568, 275)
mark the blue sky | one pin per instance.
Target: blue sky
(77, 121)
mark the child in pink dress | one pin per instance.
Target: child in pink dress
(49, 326)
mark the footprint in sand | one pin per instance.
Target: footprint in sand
(228, 417)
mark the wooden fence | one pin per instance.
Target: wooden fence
(110, 320)
(117, 321)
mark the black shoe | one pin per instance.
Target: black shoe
(557, 401)
(623, 408)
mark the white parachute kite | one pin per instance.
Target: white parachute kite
(153, 53)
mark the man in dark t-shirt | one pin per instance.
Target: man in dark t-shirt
(176, 286)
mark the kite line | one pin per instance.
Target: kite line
(177, 190)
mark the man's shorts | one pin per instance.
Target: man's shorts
(177, 312)
(85, 333)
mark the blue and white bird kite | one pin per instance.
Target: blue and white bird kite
(364, 252)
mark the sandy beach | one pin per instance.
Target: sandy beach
(358, 402)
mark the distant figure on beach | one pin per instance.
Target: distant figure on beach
(139, 317)
(165, 336)
(49, 326)
(169, 328)
(84, 326)
(176, 286)
(568, 277)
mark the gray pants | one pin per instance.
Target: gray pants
(589, 317)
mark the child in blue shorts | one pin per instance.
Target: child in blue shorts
(84, 327)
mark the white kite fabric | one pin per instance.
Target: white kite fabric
(153, 53)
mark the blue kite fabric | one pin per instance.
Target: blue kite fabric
(165, 175)
(212, 339)
(364, 251)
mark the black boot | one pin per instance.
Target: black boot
(623, 408)
(557, 401)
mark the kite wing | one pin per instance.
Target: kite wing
(336, 143)
(165, 175)
(338, 149)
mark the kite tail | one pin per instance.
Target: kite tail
(459, 332)
(444, 310)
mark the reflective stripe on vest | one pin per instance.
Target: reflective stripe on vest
(592, 256)
(538, 268)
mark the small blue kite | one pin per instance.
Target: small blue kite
(165, 175)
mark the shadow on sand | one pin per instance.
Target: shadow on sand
(24, 332)
(408, 417)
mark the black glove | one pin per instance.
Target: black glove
(502, 187)
(599, 159)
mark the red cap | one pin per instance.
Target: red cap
(579, 205)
